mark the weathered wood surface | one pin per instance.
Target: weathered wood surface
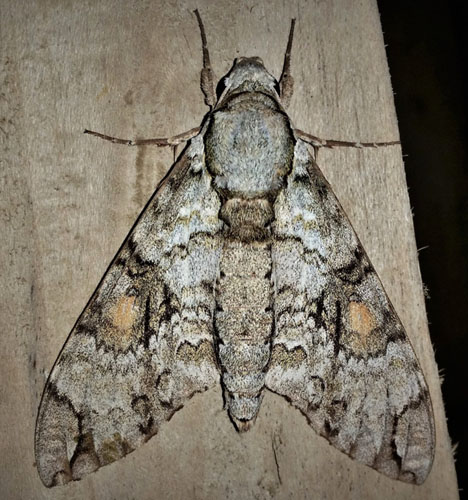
(68, 200)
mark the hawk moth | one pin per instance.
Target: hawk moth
(243, 270)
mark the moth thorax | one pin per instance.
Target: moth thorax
(247, 219)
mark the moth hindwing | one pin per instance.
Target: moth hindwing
(243, 271)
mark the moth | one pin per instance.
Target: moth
(243, 270)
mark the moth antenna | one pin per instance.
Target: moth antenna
(206, 76)
(286, 81)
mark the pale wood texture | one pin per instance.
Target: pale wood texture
(68, 200)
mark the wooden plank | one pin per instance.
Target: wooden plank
(69, 200)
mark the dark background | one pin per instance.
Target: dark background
(426, 50)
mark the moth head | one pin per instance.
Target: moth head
(248, 74)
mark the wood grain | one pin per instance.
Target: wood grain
(68, 200)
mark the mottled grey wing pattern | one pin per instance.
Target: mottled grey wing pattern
(340, 353)
(144, 344)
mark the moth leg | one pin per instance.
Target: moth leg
(173, 141)
(316, 142)
(286, 81)
(207, 75)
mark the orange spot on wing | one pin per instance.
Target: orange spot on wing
(361, 320)
(124, 313)
(119, 330)
(364, 334)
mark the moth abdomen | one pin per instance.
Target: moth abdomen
(244, 322)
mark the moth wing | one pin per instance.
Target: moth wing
(340, 353)
(144, 343)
